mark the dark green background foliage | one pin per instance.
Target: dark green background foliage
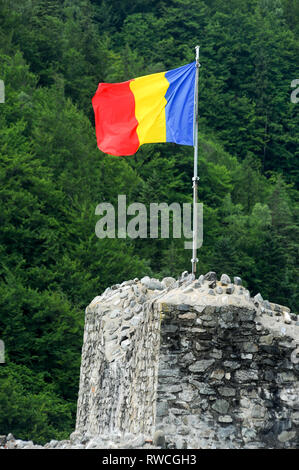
(52, 176)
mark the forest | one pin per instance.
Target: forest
(53, 54)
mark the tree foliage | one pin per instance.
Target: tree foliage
(52, 176)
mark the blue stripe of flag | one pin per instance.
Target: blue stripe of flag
(179, 110)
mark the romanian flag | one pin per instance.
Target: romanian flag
(149, 109)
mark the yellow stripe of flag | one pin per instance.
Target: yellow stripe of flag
(149, 92)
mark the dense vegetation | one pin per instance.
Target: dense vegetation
(52, 176)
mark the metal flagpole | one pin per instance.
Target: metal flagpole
(195, 178)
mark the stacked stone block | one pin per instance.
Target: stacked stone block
(197, 359)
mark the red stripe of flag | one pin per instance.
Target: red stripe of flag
(115, 121)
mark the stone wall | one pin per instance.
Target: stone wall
(119, 362)
(198, 359)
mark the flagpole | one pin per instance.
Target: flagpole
(195, 178)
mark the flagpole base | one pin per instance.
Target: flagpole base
(194, 261)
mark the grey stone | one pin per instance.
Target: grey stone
(168, 282)
(279, 308)
(86, 437)
(269, 312)
(285, 377)
(75, 437)
(188, 290)
(230, 289)
(246, 375)
(267, 305)
(128, 283)
(254, 445)
(178, 411)
(266, 339)
(169, 372)
(232, 364)
(285, 436)
(114, 314)
(186, 395)
(197, 285)
(248, 434)
(199, 308)
(170, 388)
(135, 443)
(187, 316)
(295, 418)
(183, 307)
(227, 391)
(125, 344)
(162, 409)
(210, 276)
(217, 374)
(189, 357)
(287, 318)
(28, 445)
(128, 314)
(181, 443)
(201, 366)
(225, 419)
(184, 275)
(159, 439)
(152, 284)
(207, 318)
(225, 280)
(170, 328)
(189, 280)
(227, 316)
(246, 315)
(237, 281)
(250, 347)
(258, 412)
(136, 320)
(141, 299)
(138, 308)
(145, 280)
(257, 299)
(219, 290)
(246, 356)
(115, 286)
(203, 388)
(53, 443)
(221, 406)
(95, 443)
(216, 353)
(11, 444)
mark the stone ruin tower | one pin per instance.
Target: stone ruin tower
(198, 359)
